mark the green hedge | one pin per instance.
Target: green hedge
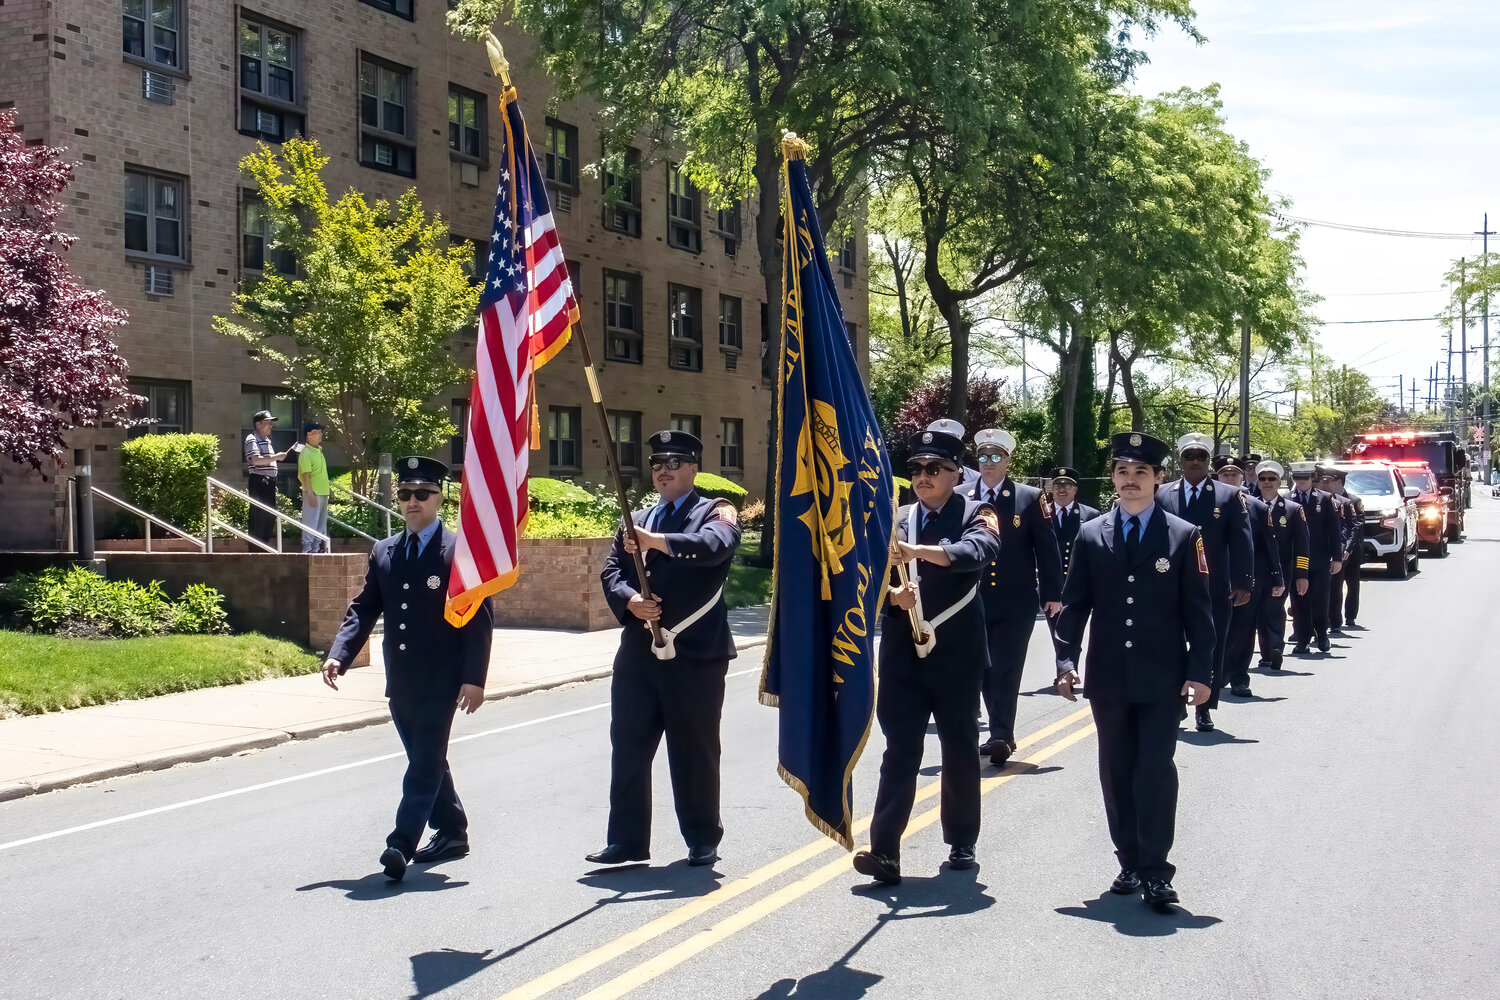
(711, 485)
(164, 474)
(72, 600)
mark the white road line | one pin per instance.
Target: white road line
(301, 777)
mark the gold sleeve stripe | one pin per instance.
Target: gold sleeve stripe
(1302, 562)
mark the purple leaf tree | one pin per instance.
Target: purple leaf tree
(60, 367)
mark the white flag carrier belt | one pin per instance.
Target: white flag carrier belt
(925, 647)
(668, 649)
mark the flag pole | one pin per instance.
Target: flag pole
(501, 67)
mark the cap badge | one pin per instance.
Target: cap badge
(663, 437)
(433, 583)
(1163, 564)
(1135, 440)
(411, 463)
(927, 438)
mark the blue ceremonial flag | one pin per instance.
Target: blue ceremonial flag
(835, 504)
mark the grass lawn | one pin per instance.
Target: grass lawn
(42, 673)
(747, 585)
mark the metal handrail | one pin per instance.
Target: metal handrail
(213, 522)
(149, 518)
(385, 511)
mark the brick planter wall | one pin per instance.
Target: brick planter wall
(558, 587)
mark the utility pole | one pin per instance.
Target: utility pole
(1484, 446)
(1401, 394)
(1245, 387)
(1414, 395)
(1463, 356)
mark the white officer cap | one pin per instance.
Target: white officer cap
(948, 427)
(1202, 442)
(1304, 468)
(992, 438)
(1269, 466)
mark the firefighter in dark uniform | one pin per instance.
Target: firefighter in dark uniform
(1142, 573)
(1068, 515)
(676, 690)
(1343, 587)
(1325, 550)
(946, 541)
(1268, 578)
(1288, 522)
(1221, 512)
(431, 667)
(1027, 568)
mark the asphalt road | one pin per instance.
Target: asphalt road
(1335, 839)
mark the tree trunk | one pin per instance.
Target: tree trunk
(1107, 404)
(1071, 369)
(1127, 383)
(958, 341)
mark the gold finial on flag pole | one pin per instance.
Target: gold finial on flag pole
(794, 147)
(498, 63)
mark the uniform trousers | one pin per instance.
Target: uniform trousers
(1271, 626)
(1350, 610)
(427, 792)
(1241, 644)
(1223, 608)
(1008, 640)
(682, 699)
(910, 695)
(1310, 613)
(1336, 598)
(1139, 779)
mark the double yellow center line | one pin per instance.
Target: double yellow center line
(671, 958)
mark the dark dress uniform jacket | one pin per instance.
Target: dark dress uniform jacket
(703, 544)
(961, 531)
(1288, 524)
(1221, 513)
(1268, 571)
(1153, 623)
(1067, 531)
(1028, 559)
(425, 657)
(1324, 533)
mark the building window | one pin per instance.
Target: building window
(730, 337)
(153, 31)
(401, 8)
(564, 437)
(466, 123)
(622, 193)
(732, 445)
(728, 227)
(562, 154)
(154, 209)
(166, 406)
(683, 226)
(268, 80)
(685, 342)
(458, 412)
(622, 317)
(626, 430)
(688, 422)
(384, 97)
(852, 332)
(255, 237)
(846, 255)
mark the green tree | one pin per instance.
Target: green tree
(1337, 403)
(363, 330)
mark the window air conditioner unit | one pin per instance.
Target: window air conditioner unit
(562, 202)
(157, 87)
(158, 280)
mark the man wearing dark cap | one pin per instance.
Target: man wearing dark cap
(1342, 610)
(1142, 574)
(1268, 578)
(1288, 523)
(431, 668)
(945, 540)
(1325, 554)
(1068, 514)
(675, 689)
(312, 473)
(260, 470)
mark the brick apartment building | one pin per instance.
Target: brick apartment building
(158, 100)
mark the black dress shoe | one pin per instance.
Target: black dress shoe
(440, 848)
(1323, 645)
(988, 747)
(1276, 663)
(882, 869)
(1000, 753)
(616, 854)
(1205, 721)
(704, 854)
(1159, 893)
(1126, 883)
(1300, 649)
(394, 863)
(961, 857)
(1240, 690)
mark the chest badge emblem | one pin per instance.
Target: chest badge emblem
(1005, 493)
(433, 583)
(1216, 512)
(1163, 564)
(1016, 521)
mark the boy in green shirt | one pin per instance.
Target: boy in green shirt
(312, 471)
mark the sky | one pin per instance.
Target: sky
(1368, 113)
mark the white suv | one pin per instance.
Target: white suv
(1390, 513)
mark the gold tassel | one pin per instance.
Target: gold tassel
(536, 417)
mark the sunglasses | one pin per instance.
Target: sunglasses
(657, 464)
(985, 459)
(1195, 456)
(928, 468)
(1269, 479)
(423, 495)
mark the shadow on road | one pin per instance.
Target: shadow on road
(839, 981)
(1217, 737)
(377, 886)
(1234, 699)
(1133, 918)
(1283, 672)
(435, 971)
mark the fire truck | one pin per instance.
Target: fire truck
(1441, 450)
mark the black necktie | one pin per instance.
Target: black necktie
(413, 546)
(1132, 537)
(992, 498)
(1194, 498)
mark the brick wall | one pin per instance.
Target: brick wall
(558, 586)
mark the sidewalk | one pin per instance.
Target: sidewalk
(40, 753)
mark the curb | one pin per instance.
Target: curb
(270, 738)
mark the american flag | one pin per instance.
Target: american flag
(526, 314)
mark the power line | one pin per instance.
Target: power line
(1372, 230)
(1361, 322)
